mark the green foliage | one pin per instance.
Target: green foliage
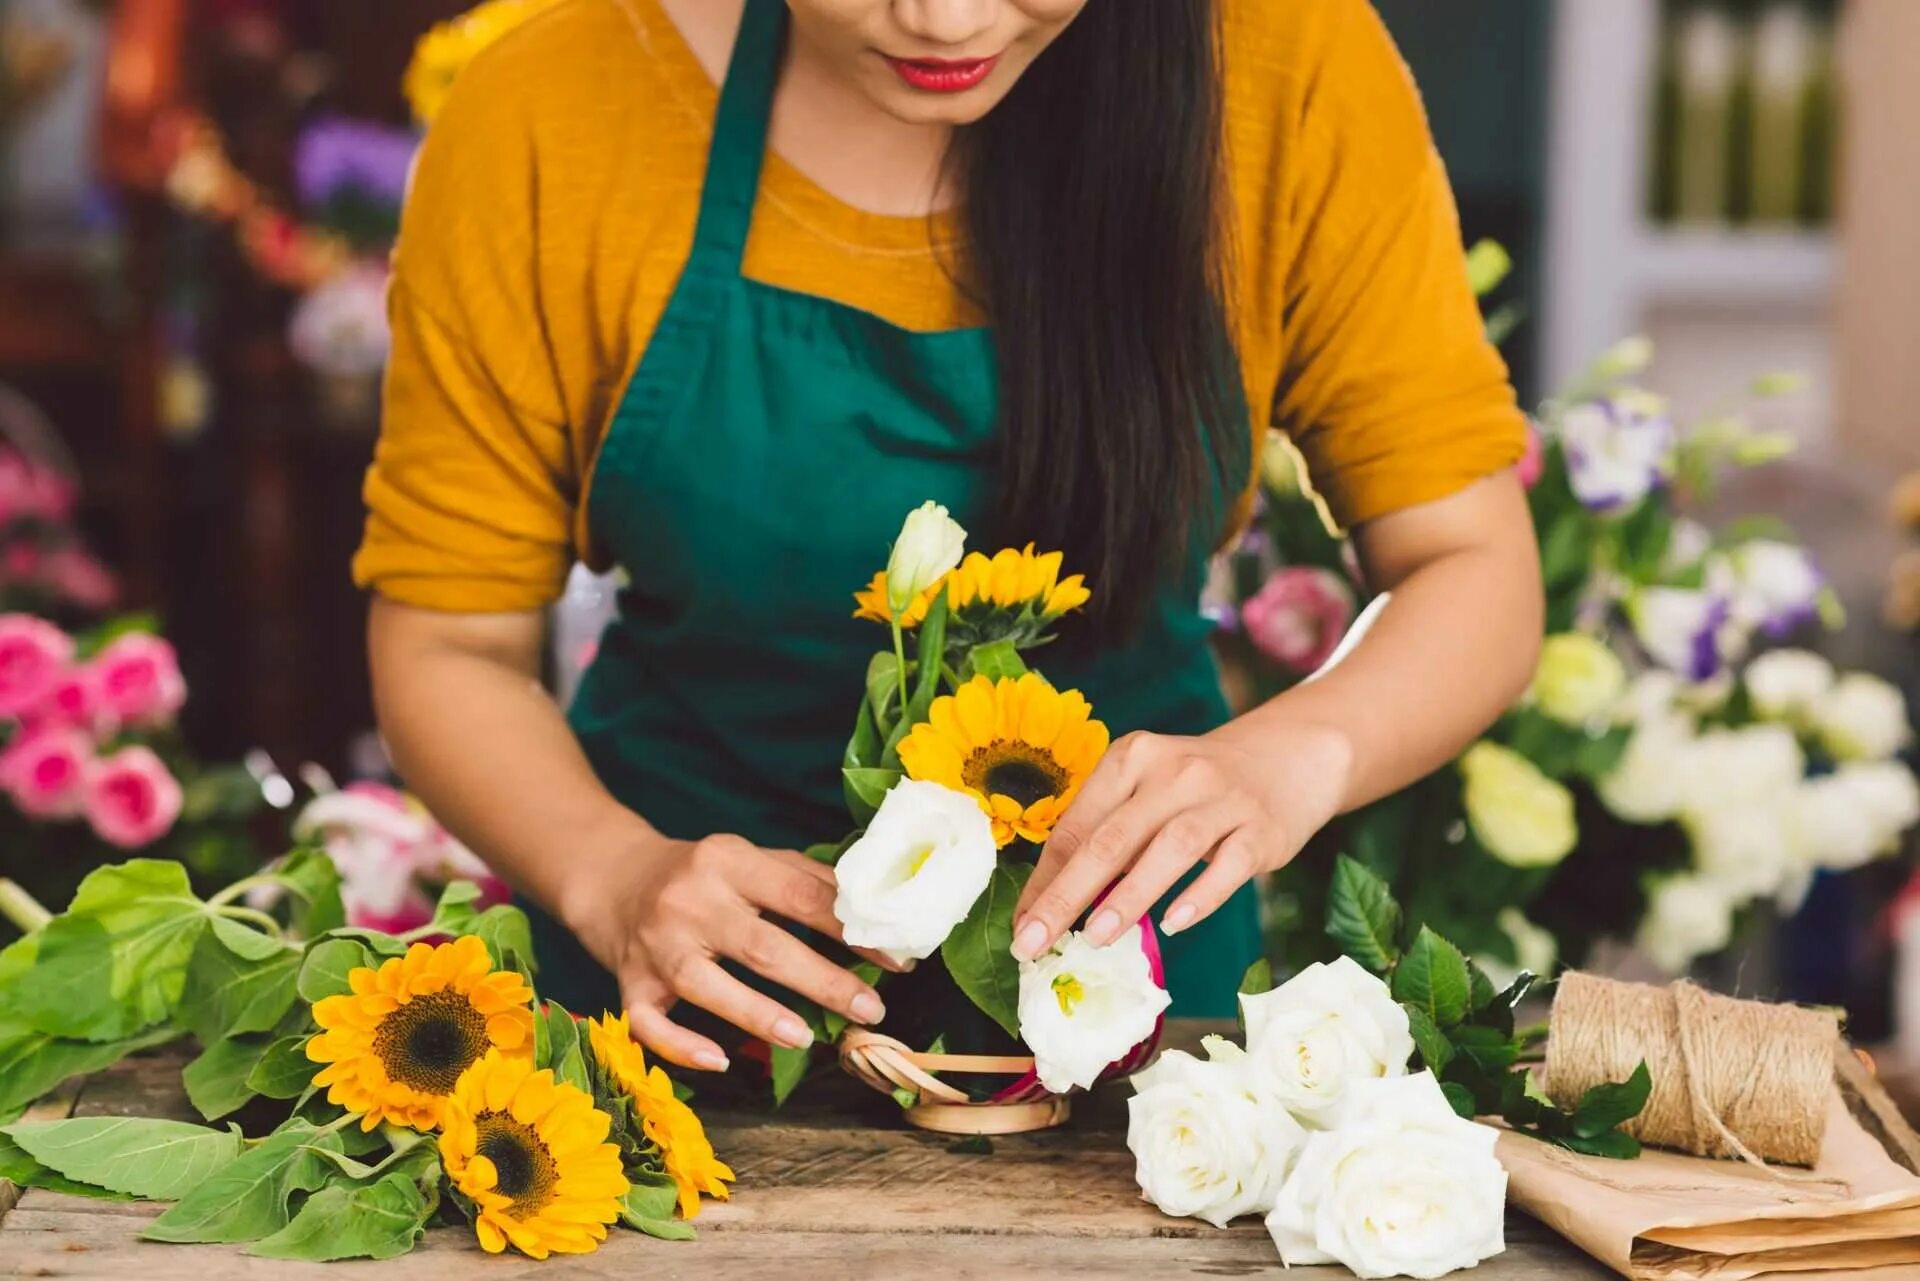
(978, 954)
(649, 1208)
(216, 1081)
(1362, 916)
(866, 788)
(1432, 978)
(248, 1198)
(557, 1045)
(23, 1171)
(143, 1157)
(994, 660)
(379, 1220)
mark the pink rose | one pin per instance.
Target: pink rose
(132, 800)
(51, 494)
(73, 702)
(45, 771)
(21, 560)
(1298, 618)
(139, 679)
(81, 579)
(1533, 462)
(16, 487)
(34, 654)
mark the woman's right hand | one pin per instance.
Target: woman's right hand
(661, 918)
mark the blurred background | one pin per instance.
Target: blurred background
(196, 197)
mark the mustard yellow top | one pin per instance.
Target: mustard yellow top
(554, 203)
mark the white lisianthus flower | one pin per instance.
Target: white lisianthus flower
(1686, 631)
(1862, 718)
(1787, 684)
(1648, 783)
(1521, 816)
(1886, 791)
(1747, 845)
(1777, 586)
(1204, 1147)
(1651, 694)
(1404, 1188)
(1832, 830)
(1617, 453)
(1687, 917)
(1535, 950)
(916, 872)
(1579, 678)
(1687, 545)
(1761, 763)
(1312, 1037)
(929, 547)
(1083, 1007)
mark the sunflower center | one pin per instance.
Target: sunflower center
(428, 1042)
(1018, 770)
(524, 1169)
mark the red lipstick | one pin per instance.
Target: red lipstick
(940, 75)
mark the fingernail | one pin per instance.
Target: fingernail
(792, 1033)
(1177, 918)
(1105, 924)
(1027, 943)
(710, 1061)
(867, 1008)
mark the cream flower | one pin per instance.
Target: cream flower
(1521, 816)
(929, 546)
(1862, 718)
(917, 871)
(1787, 684)
(1204, 1147)
(1687, 917)
(1578, 680)
(1083, 1007)
(1647, 784)
(1312, 1037)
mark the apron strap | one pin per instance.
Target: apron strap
(740, 132)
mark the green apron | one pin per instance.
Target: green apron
(753, 475)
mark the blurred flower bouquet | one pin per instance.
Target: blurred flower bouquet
(393, 857)
(1666, 768)
(45, 567)
(961, 761)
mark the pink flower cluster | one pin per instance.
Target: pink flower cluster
(1298, 618)
(63, 710)
(390, 852)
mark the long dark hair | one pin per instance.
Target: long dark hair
(1097, 245)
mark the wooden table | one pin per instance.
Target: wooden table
(834, 1186)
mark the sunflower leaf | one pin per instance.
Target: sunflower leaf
(865, 789)
(995, 660)
(216, 1082)
(561, 1046)
(246, 1199)
(327, 965)
(648, 1207)
(379, 1220)
(509, 939)
(22, 1170)
(229, 991)
(32, 1062)
(979, 952)
(455, 914)
(284, 1071)
(310, 873)
(143, 1156)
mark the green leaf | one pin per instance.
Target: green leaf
(883, 691)
(978, 954)
(1614, 1144)
(866, 788)
(310, 875)
(1258, 978)
(1436, 1051)
(1491, 1048)
(328, 962)
(1459, 1097)
(375, 1221)
(789, 1066)
(904, 1097)
(1433, 976)
(930, 651)
(228, 992)
(144, 1157)
(217, 1081)
(246, 942)
(32, 1063)
(454, 914)
(1362, 916)
(1604, 1106)
(509, 939)
(557, 1045)
(418, 1160)
(1480, 993)
(972, 1145)
(995, 660)
(652, 1196)
(23, 1171)
(649, 1208)
(1488, 263)
(833, 1022)
(246, 1199)
(284, 1071)
(864, 747)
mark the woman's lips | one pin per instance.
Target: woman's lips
(940, 75)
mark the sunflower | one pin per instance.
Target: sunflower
(444, 52)
(870, 603)
(1020, 746)
(397, 1043)
(532, 1155)
(684, 1150)
(1021, 590)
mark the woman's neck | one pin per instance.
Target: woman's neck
(825, 127)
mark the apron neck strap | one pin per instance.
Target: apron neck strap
(740, 130)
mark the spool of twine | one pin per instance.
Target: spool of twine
(1731, 1078)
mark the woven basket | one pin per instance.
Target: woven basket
(888, 1065)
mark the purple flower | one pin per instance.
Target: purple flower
(1617, 450)
(335, 157)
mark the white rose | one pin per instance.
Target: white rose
(916, 872)
(1083, 1007)
(1886, 791)
(1687, 916)
(1757, 763)
(1518, 814)
(1647, 784)
(1312, 1037)
(1405, 1188)
(1745, 845)
(1535, 950)
(1787, 684)
(929, 546)
(1204, 1147)
(1777, 585)
(1862, 718)
(1831, 828)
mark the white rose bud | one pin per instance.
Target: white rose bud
(1787, 684)
(929, 546)
(1312, 1037)
(1687, 917)
(1578, 680)
(915, 874)
(1862, 718)
(1204, 1147)
(1404, 1188)
(1083, 1007)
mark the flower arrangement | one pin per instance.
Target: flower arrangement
(352, 1046)
(393, 857)
(1347, 1117)
(1671, 763)
(961, 761)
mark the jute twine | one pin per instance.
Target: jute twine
(1730, 1078)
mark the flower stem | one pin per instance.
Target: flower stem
(900, 661)
(254, 915)
(240, 887)
(22, 908)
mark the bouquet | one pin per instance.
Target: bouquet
(380, 1081)
(961, 760)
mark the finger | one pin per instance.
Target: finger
(1231, 865)
(792, 886)
(1182, 841)
(647, 1020)
(1108, 852)
(769, 950)
(1105, 790)
(706, 985)
(822, 872)
(884, 961)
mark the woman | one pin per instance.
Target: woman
(718, 301)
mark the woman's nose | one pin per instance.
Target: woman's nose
(946, 22)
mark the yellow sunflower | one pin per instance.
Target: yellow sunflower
(444, 52)
(670, 1123)
(397, 1043)
(870, 603)
(1014, 580)
(532, 1155)
(1020, 746)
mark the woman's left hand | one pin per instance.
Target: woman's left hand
(1244, 799)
